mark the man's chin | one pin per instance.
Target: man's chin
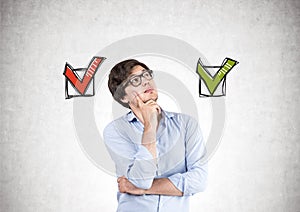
(154, 98)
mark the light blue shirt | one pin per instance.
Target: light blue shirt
(180, 148)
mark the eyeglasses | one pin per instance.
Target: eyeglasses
(137, 79)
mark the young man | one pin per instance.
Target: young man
(157, 154)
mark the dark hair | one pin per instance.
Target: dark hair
(118, 74)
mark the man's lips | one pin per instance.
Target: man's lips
(149, 90)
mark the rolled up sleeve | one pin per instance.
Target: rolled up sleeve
(194, 180)
(131, 159)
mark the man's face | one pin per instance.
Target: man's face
(146, 90)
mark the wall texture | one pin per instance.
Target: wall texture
(256, 167)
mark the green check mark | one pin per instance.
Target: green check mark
(212, 82)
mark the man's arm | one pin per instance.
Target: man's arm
(149, 114)
(194, 180)
(190, 182)
(137, 163)
(131, 160)
(161, 186)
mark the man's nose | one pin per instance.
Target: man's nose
(145, 81)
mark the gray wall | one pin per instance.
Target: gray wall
(43, 168)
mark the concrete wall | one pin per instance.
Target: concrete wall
(255, 168)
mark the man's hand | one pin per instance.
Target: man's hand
(125, 186)
(147, 112)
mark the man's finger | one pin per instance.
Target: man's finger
(151, 101)
(154, 104)
(139, 100)
(120, 178)
(158, 109)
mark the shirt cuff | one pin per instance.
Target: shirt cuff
(178, 181)
(143, 171)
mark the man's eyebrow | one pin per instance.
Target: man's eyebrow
(133, 75)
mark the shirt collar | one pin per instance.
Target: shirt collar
(130, 116)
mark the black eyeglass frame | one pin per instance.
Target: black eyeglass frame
(149, 71)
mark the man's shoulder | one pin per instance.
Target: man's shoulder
(116, 123)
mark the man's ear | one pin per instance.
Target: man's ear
(124, 99)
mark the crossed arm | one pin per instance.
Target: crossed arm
(162, 186)
(138, 164)
(149, 114)
(139, 169)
